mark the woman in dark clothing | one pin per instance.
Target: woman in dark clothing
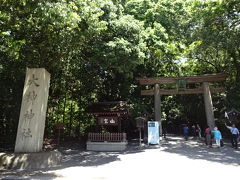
(208, 136)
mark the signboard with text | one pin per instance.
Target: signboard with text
(153, 132)
(107, 120)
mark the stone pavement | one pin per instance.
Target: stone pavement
(174, 158)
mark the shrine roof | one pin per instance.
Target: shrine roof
(108, 108)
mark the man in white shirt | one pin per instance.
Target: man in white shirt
(235, 134)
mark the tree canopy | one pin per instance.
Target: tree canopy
(94, 50)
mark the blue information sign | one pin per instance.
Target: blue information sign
(153, 132)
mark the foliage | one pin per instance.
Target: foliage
(94, 50)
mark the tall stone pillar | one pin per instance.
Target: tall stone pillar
(157, 106)
(33, 111)
(208, 105)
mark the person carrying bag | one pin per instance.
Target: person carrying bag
(234, 135)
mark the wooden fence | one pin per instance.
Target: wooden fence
(110, 137)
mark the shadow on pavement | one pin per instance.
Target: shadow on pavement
(196, 149)
(193, 149)
(71, 158)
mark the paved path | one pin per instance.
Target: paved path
(173, 159)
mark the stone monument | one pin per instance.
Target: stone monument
(28, 147)
(33, 111)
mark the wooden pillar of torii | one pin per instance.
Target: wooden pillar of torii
(205, 89)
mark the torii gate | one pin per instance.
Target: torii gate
(206, 89)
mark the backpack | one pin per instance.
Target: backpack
(221, 143)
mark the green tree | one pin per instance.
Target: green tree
(213, 43)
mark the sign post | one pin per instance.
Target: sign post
(140, 124)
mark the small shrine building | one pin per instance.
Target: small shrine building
(110, 117)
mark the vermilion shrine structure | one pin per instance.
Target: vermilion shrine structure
(204, 88)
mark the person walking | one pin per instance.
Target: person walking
(234, 135)
(185, 131)
(164, 131)
(217, 136)
(208, 137)
(194, 132)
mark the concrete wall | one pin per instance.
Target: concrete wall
(33, 111)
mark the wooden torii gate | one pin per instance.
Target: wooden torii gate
(205, 89)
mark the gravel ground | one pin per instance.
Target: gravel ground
(173, 158)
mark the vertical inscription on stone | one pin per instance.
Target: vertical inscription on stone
(30, 97)
(33, 111)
